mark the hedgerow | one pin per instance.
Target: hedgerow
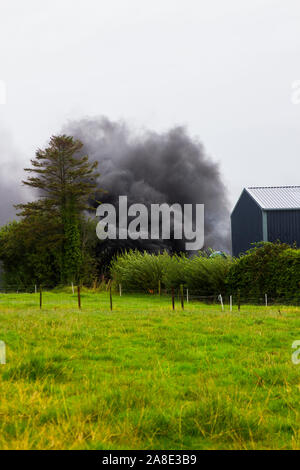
(268, 268)
(144, 271)
(271, 268)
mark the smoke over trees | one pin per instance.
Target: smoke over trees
(147, 167)
(151, 167)
(48, 242)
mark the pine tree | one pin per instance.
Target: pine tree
(65, 181)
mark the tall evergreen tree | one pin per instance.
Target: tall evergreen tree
(65, 181)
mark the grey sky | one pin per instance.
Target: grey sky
(222, 68)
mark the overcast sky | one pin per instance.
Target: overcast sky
(224, 69)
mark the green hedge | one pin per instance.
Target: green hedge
(138, 271)
(142, 271)
(271, 268)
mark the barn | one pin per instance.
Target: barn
(266, 214)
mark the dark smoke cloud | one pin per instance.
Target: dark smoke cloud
(147, 167)
(152, 167)
(11, 191)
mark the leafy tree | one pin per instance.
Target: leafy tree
(65, 181)
(29, 252)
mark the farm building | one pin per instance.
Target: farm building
(266, 214)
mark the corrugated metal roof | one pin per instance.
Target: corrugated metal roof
(276, 197)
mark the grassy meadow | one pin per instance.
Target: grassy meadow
(145, 377)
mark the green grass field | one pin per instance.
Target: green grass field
(145, 377)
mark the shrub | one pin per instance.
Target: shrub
(174, 271)
(143, 271)
(271, 268)
(139, 271)
(207, 275)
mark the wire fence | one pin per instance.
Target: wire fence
(118, 297)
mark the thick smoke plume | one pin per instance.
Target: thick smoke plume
(11, 191)
(152, 167)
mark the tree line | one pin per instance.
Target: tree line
(54, 241)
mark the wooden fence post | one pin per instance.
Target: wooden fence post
(173, 299)
(79, 297)
(110, 298)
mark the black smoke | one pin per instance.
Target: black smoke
(151, 167)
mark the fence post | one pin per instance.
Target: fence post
(187, 296)
(173, 299)
(79, 297)
(120, 289)
(181, 297)
(239, 300)
(220, 298)
(266, 299)
(41, 298)
(230, 302)
(35, 289)
(110, 298)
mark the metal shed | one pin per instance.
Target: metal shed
(266, 214)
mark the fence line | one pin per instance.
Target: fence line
(51, 297)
